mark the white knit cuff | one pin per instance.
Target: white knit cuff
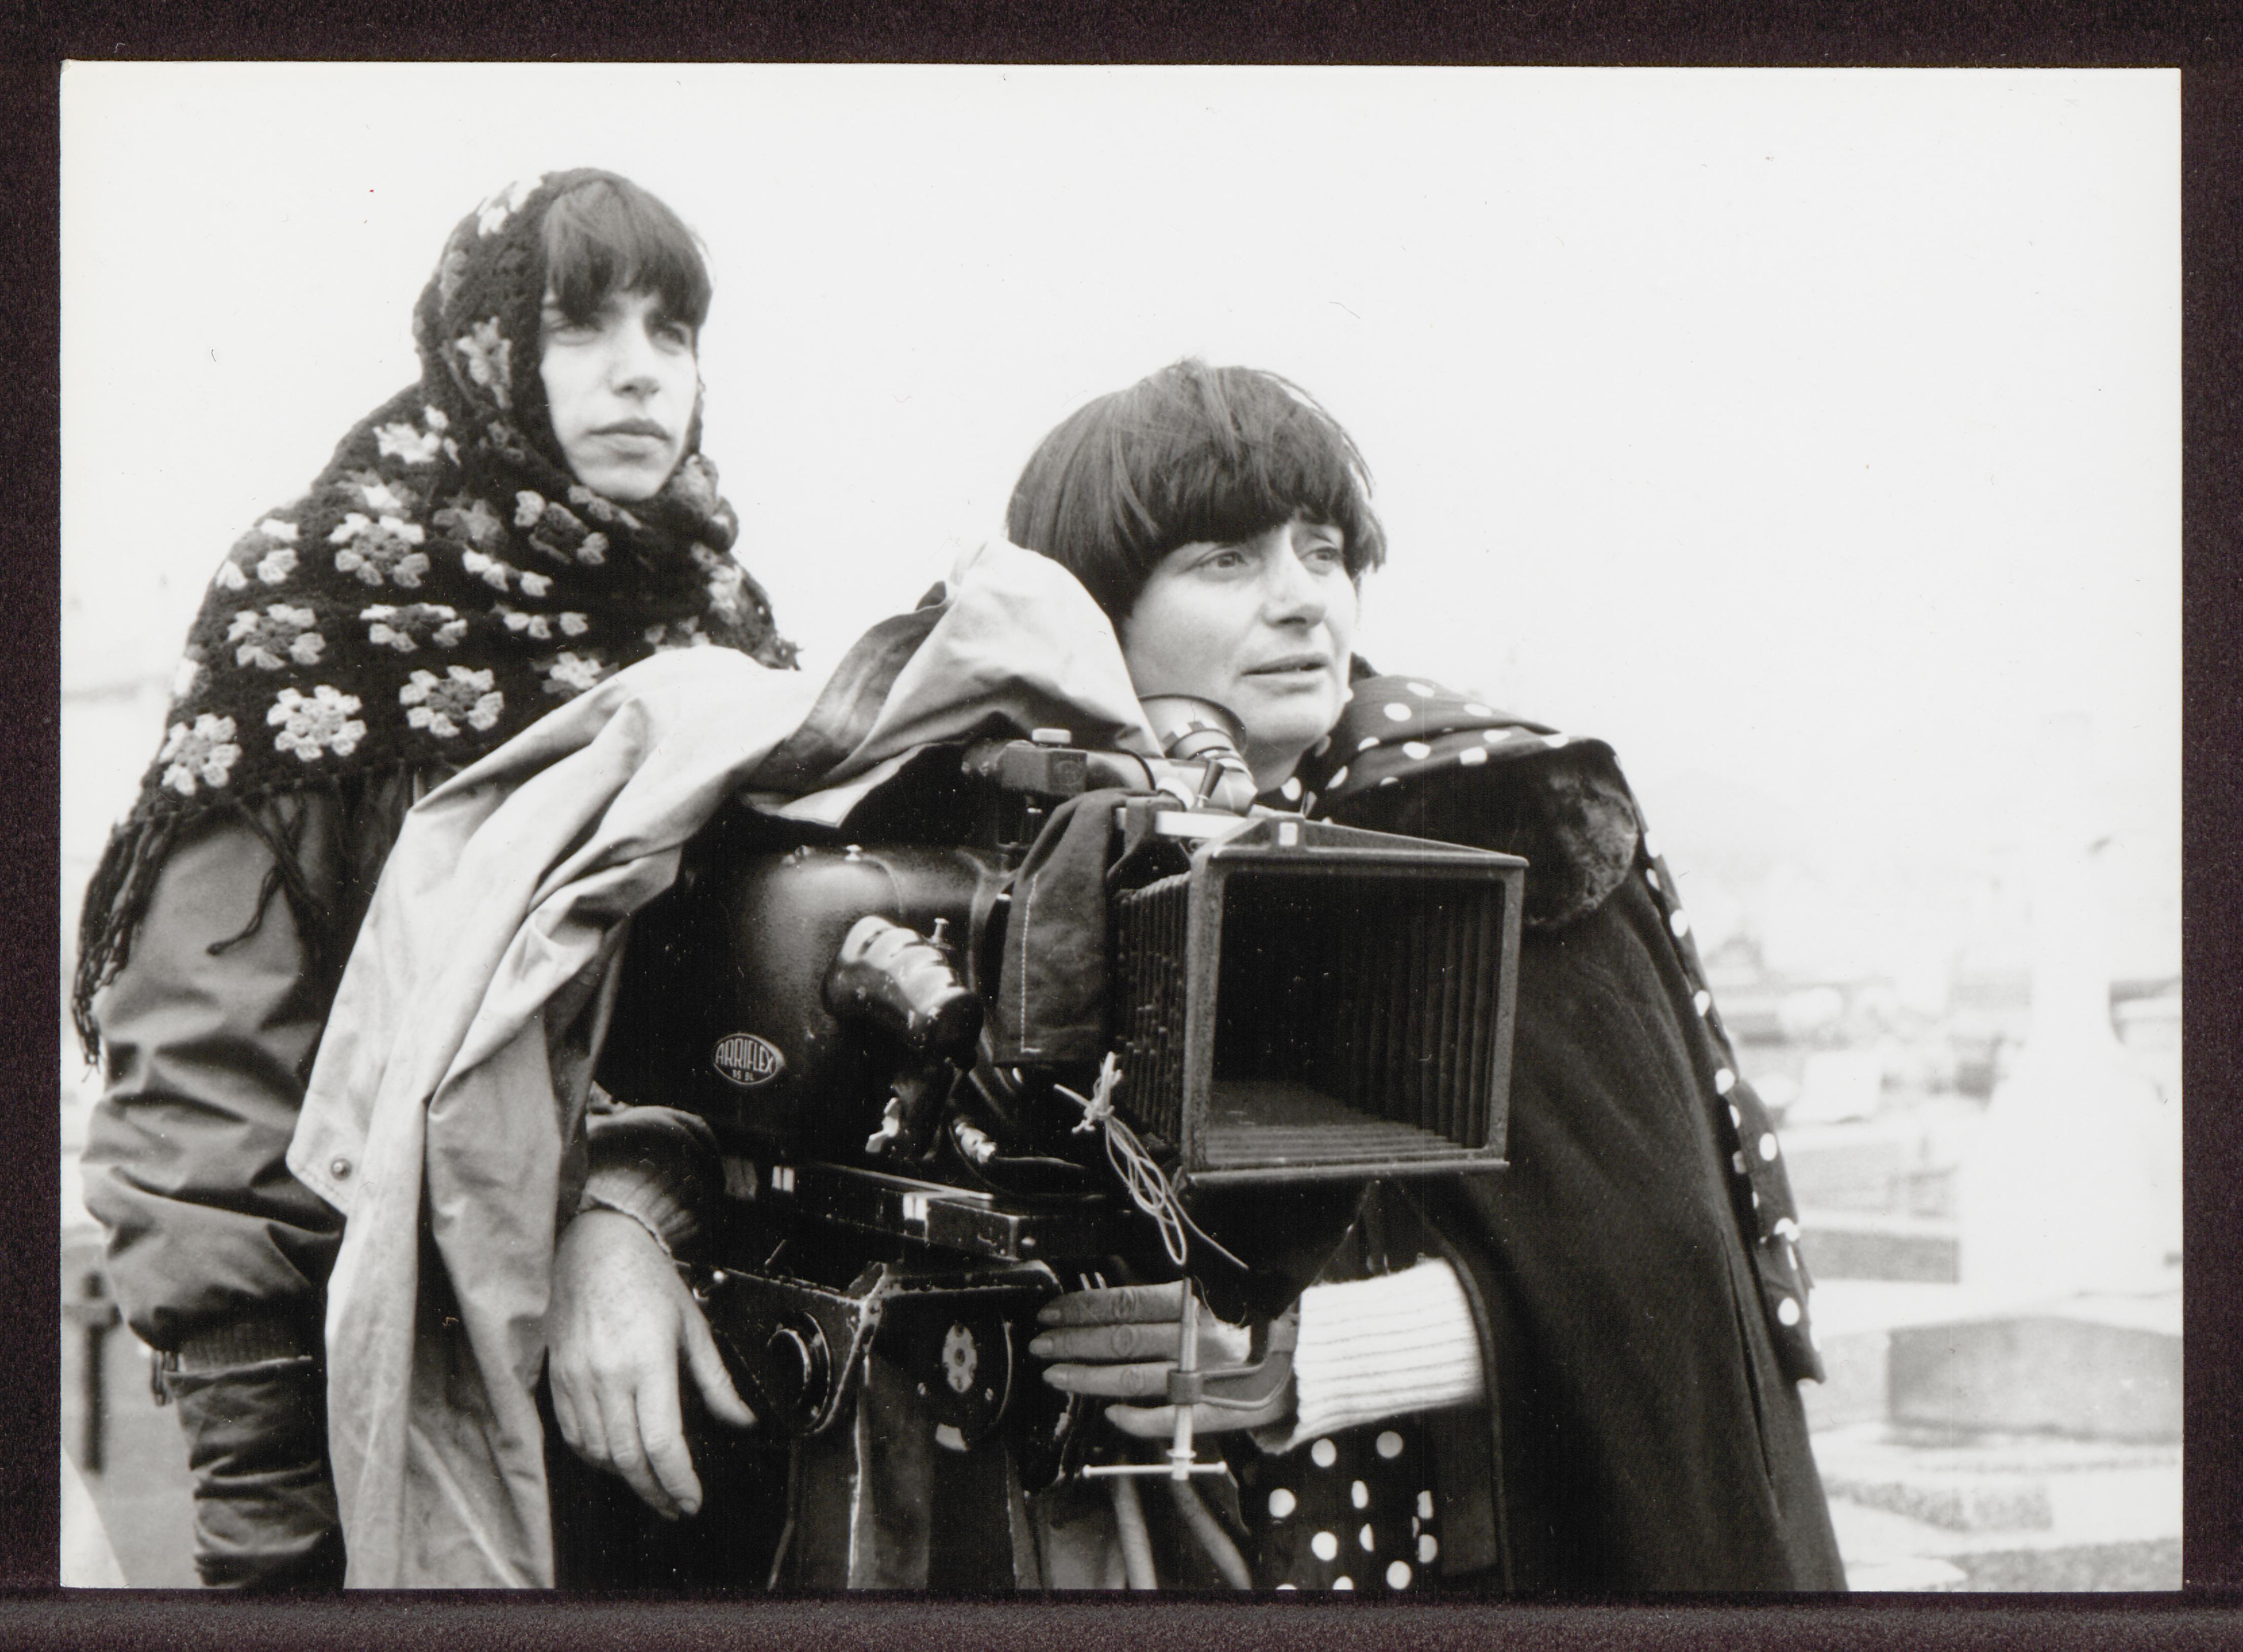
(1381, 1347)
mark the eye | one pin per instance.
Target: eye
(1226, 558)
(677, 334)
(556, 323)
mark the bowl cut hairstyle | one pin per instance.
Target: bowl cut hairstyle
(606, 235)
(1191, 453)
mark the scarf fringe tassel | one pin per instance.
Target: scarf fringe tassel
(123, 884)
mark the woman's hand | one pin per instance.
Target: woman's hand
(1120, 1342)
(621, 1322)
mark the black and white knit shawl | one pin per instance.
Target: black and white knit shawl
(444, 582)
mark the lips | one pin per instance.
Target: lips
(1291, 663)
(645, 427)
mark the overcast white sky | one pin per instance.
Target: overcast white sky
(1815, 431)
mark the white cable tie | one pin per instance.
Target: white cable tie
(1141, 1177)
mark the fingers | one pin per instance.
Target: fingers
(1113, 1381)
(707, 1365)
(627, 1449)
(1133, 1322)
(661, 1437)
(1159, 1422)
(1147, 1422)
(1115, 1305)
(1110, 1342)
(565, 1413)
(627, 1420)
(577, 1408)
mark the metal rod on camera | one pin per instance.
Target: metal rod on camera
(1180, 1450)
(1182, 1464)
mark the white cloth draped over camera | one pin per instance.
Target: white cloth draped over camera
(443, 1114)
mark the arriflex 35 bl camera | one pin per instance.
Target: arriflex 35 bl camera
(1036, 1016)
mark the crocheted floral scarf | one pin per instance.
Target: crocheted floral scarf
(445, 582)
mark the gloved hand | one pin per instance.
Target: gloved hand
(1122, 1342)
(265, 1497)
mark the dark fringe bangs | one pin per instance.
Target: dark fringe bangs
(607, 235)
(1191, 453)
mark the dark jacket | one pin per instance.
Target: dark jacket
(1650, 1437)
(1643, 1301)
(216, 1253)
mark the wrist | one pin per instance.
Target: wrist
(593, 1206)
(659, 1166)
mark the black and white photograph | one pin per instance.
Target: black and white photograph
(981, 829)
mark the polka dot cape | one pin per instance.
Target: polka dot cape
(1396, 729)
(1354, 1511)
(1397, 726)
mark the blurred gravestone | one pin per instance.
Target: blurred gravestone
(2074, 1185)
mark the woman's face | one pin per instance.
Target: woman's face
(620, 388)
(1263, 628)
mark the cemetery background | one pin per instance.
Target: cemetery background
(1812, 437)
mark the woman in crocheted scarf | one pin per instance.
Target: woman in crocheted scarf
(1578, 1373)
(531, 515)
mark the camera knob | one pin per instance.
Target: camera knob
(795, 1360)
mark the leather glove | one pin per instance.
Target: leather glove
(1120, 1343)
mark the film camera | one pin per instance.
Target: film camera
(1034, 1016)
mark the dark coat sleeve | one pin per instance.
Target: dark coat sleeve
(206, 1049)
(208, 1031)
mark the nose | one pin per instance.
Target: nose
(1292, 594)
(632, 364)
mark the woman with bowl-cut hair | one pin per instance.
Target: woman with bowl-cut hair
(1578, 1373)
